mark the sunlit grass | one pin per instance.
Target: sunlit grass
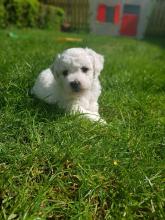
(56, 166)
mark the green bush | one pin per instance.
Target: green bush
(23, 13)
(30, 13)
(2, 15)
(50, 17)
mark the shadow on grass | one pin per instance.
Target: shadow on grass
(43, 111)
(159, 41)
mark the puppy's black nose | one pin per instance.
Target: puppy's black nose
(75, 85)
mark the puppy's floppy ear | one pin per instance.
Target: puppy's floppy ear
(55, 66)
(97, 59)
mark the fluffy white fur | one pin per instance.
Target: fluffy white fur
(73, 82)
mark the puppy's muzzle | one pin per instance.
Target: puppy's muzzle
(75, 85)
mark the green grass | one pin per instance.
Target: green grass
(56, 166)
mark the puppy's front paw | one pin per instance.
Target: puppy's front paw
(96, 118)
(102, 121)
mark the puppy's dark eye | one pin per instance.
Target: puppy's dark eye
(65, 72)
(84, 69)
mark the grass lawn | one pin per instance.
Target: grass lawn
(56, 166)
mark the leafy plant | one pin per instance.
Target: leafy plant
(30, 13)
(23, 13)
(50, 17)
(2, 15)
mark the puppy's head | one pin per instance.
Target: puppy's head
(76, 69)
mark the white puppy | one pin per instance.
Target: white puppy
(72, 82)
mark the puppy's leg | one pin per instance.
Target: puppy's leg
(45, 87)
(93, 116)
(94, 108)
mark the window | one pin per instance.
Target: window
(108, 13)
(131, 9)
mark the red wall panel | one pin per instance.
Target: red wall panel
(117, 14)
(129, 25)
(101, 13)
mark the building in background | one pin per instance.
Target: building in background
(120, 17)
